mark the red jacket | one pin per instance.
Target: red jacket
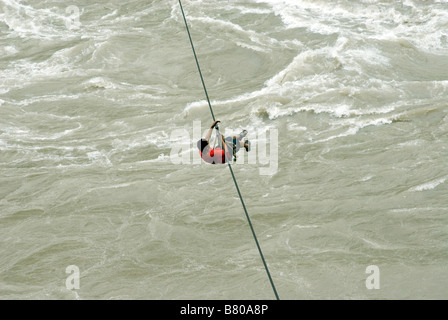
(215, 156)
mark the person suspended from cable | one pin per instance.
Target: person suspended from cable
(223, 149)
(218, 153)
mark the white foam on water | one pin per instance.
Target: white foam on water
(296, 127)
(297, 15)
(369, 55)
(423, 26)
(99, 157)
(412, 143)
(45, 98)
(218, 22)
(301, 79)
(12, 133)
(366, 178)
(310, 73)
(109, 15)
(100, 83)
(24, 71)
(312, 226)
(429, 185)
(245, 38)
(56, 136)
(141, 139)
(8, 51)
(45, 23)
(250, 10)
(251, 47)
(114, 186)
(417, 209)
(240, 98)
(354, 126)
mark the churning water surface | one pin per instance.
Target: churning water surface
(350, 95)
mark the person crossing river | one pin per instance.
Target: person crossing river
(225, 148)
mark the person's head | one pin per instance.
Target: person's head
(203, 145)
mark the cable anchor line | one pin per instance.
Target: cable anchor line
(227, 160)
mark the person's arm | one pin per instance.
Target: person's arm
(209, 133)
